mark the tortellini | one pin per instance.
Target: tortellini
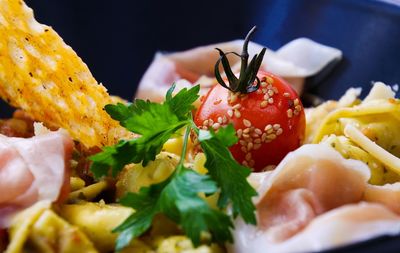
(39, 229)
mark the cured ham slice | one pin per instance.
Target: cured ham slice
(313, 201)
(31, 170)
(294, 62)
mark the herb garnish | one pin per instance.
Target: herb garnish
(178, 196)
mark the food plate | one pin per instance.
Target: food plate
(333, 81)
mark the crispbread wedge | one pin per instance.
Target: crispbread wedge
(42, 75)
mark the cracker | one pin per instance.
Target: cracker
(42, 75)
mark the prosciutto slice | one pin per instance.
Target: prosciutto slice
(31, 170)
(313, 200)
(294, 61)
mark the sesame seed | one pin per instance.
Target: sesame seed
(246, 135)
(216, 126)
(239, 132)
(249, 146)
(224, 119)
(242, 142)
(251, 163)
(257, 146)
(289, 113)
(264, 104)
(266, 97)
(286, 94)
(296, 101)
(279, 131)
(269, 86)
(263, 137)
(258, 131)
(247, 123)
(264, 90)
(237, 106)
(276, 91)
(245, 163)
(205, 123)
(246, 130)
(210, 122)
(248, 156)
(237, 114)
(295, 112)
(219, 120)
(230, 113)
(268, 127)
(244, 149)
(263, 84)
(270, 80)
(271, 136)
(270, 100)
(257, 141)
(270, 93)
(255, 135)
(297, 108)
(276, 126)
(233, 98)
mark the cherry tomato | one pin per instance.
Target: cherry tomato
(269, 122)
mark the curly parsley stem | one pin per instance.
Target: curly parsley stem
(184, 149)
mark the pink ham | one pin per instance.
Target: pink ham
(31, 170)
(313, 201)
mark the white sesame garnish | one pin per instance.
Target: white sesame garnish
(263, 137)
(242, 142)
(258, 131)
(270, 93)
(210, 122)
(279, 131)
(263, 84)
(244, 163)
(286, 94)
(230, 113)
(248, 156)
(268, 127)
(249, 146)
(297, 108)
(236, 107)
(205, 123)
(276, 126)
(271, 136)
(289, 113)
(246, 135)
(224, 119)
(246, 130)
(237, 114)
(270, 80)
(296, 101)
(266, 97)
(270, 100)
(263, 104)
(247, 123)
(219, 119)
(239, 132)
(257, 141)
(216, 126)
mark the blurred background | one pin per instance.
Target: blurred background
(118, 39)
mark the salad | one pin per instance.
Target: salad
(240, 167)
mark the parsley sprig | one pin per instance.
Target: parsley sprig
(178, 197)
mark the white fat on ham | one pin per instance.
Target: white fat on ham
(31, 170)
(313, 201)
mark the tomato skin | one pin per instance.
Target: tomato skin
(268, 147)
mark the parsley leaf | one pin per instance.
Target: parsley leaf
(155, 122)
(229, 175)
(178, 199)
